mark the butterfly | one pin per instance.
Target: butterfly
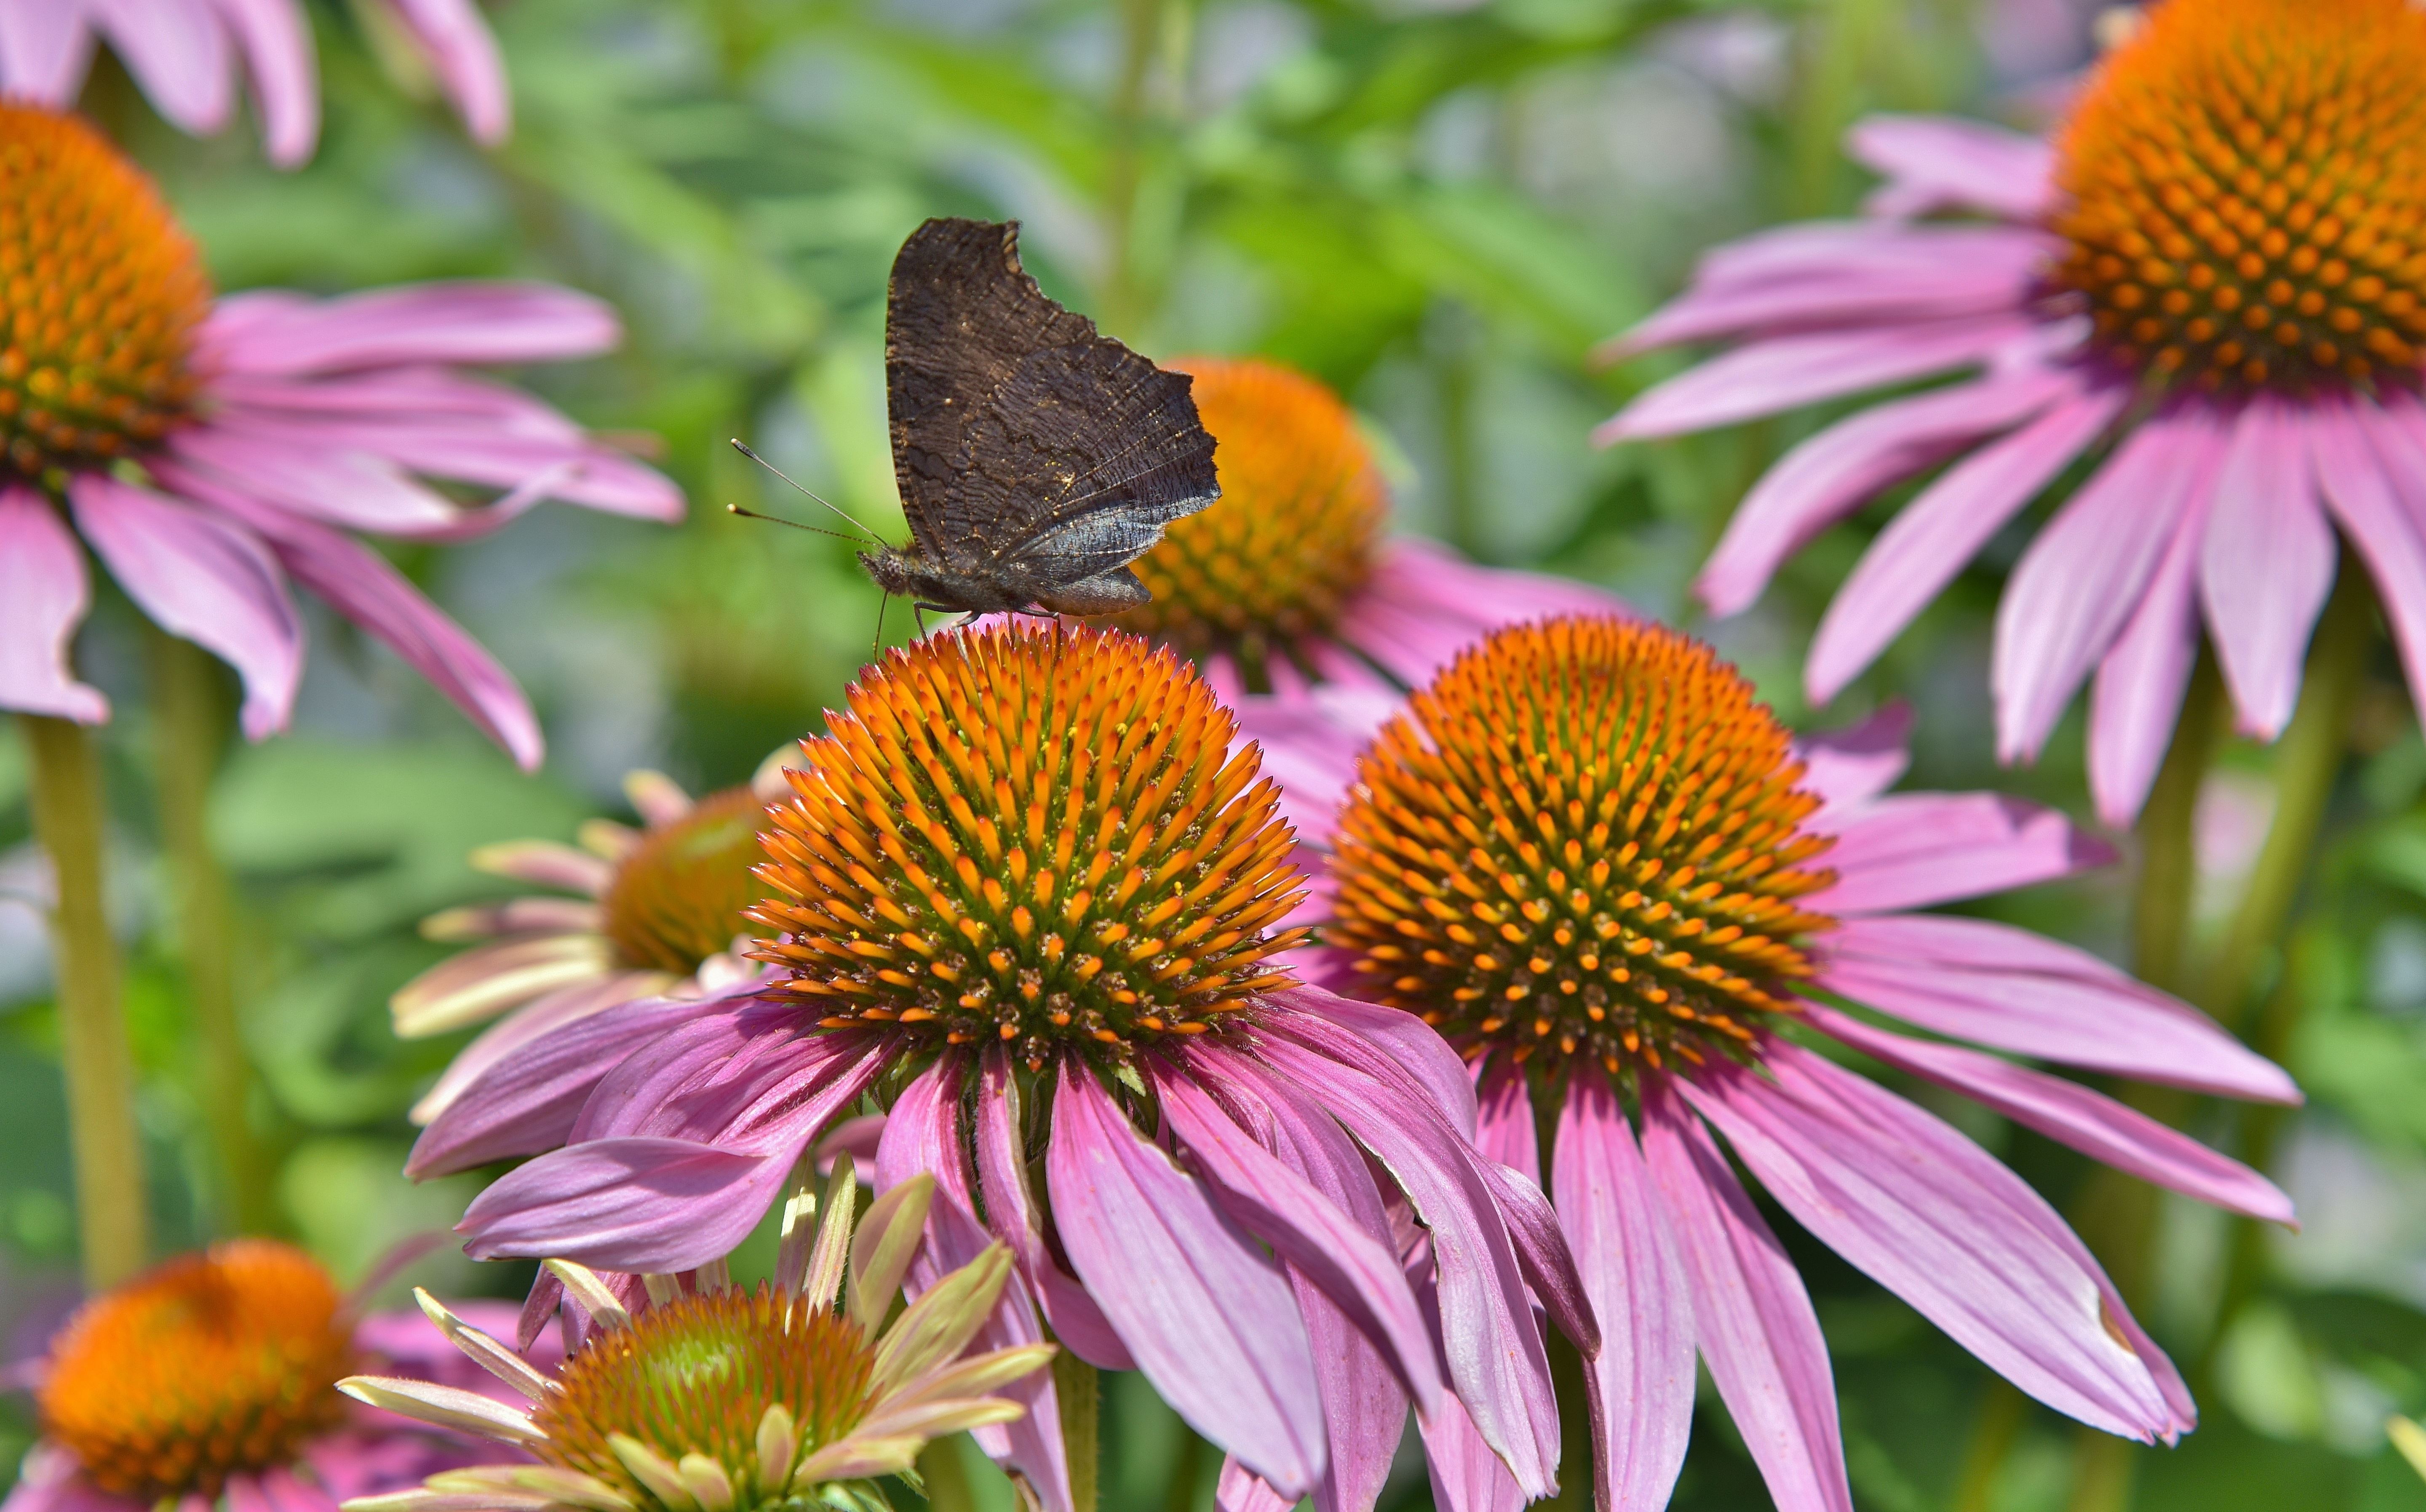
(1036, 457)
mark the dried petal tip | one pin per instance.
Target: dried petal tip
(1584, 838)
(1035, 837)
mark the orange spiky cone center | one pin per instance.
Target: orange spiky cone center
(1031, 837)
(1294, 533)
(2246, 188)
(1583, 838)
(99, 293)
(205, 1366)
(684, 891)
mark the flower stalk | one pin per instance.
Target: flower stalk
(107, 1151)
(1080, 1396)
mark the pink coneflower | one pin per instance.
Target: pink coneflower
(1291, 579)
(208, 452)
(660, 914)
(2208, 283)
(184, 54)
(214, 1377)
(1026, 889)
(1587, 857)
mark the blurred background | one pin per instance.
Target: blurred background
(1437, 206)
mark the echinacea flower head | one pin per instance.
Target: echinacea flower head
(1291, 579)
(659, 911)
(213, 1374)
(186, 54)
(2206, 291)
(1618, 886)
(212, 452)
(1029, 892)
(710, 1395)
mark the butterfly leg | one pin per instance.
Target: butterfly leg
(876, 647)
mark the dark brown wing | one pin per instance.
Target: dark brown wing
(1023, 439)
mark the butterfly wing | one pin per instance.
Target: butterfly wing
(1023, 440)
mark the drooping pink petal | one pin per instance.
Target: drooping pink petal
(1935, 163)
(1424, 605)
(207, 580)
(1788, 372)
(1308, 751)
(1240, 1490)
(277, 48)
(631, 1204)
(1389, 1043)
(2266, 564)
(1078, 1322)
(1542, 1253)
(2081, 579)
(1935, 535)
(2138, 692)
(2071, 1114)
(2019, 992)
(488, 979)
(1637, 1289)
(46, 46)
(464, 57)
(44, 594)
(528, 1025)
(922, 1135)
(1466, 1476)
(177, 51)
(340, 486)
(1915, 850)
(1503, 1130)
(1938, 1221)
(1275, 1204)
(1205, 1313)
(1824, 480)
(1848, 767)
(2357, 482)
(470, 322)
(1752, 1319)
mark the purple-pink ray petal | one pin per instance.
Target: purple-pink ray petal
(1938, 163)
(1207, 1316)
(2266, 563)
(1423, 605)
(2071, 1114)
(1637, 1288)
(1751, 1318)
(2353, 471)
(1390, 1044)
(1503, 1127)
(1264, 1197)
(2138, 691)
(1240, 1490)
(535, 1021)
(2019, 992)
(1848, 768)
(1308, 750)
(44, 594)
(471, 323)
(464, 57)
(207, 580)
(1915, 850)
(641, 1203)
(177, 51)
(1827, 478)
(1466, 1476)
(1935, 535)
(1079, 1324)
(1788, 372)
(1935, 1219)
(276, 46)
(46, 46)
(2081, 578)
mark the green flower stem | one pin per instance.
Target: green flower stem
(1994, 1429)
(1081, 1400)
(108, 1153)
(1147, 31)
(190, 725)
(946, 1476)
(2160, 903)
(1187, 1465)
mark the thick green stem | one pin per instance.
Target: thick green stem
(2160, 903)
(190, 725)
(1994, 1429)
(1081, 1400)
(946, 1476)
(2305, 765)
(1142, 24)
(2104, 1470)
(1187, 1467)
(108, 1153)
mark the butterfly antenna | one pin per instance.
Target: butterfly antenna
(739, 446)
(779, 519)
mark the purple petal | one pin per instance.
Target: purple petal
(1637, 1289)
(1079, 1324)
(1937, 163)
(2071, 1114)
(1503, 1127)
(2000, 986)
(286, 75)
(2266, 563)
(1241, 1489)
(1542, 1253)
(1934, 1218)
(469, 323)
(1207, 1315)
(45, 47)
(1267, 1199)
(177, 53)
(1938, 532)
(922, 1134)
(1466, 1476)
(632, 1204)
(2138, 693)
(1848, 767)
(206, 580)
(2081, 580)
(1835, 472)
(1424, 605)
(538, 1019)
(1751, 1318)
(44, 594)
(2355, 472)
(464, 57)
(1309, 752)
(1914, 850)
(338, 485)
(1389, 1043)
(1788, 372)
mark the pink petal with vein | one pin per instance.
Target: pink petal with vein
(1424, 605)
(1934, 163)
(277, 47)
(1078, 1322)
(341, 486)
(1466, 1476)
(470, 322)
(2356, 471)
(1503, 1130)
(2266, 563)
(1752, 1319)
(1388, 1043)
(1915, 850)
(464, 57)
(1848, 767)
(177, 51)
(527, 1026)
(46, 46)
(44, 594)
